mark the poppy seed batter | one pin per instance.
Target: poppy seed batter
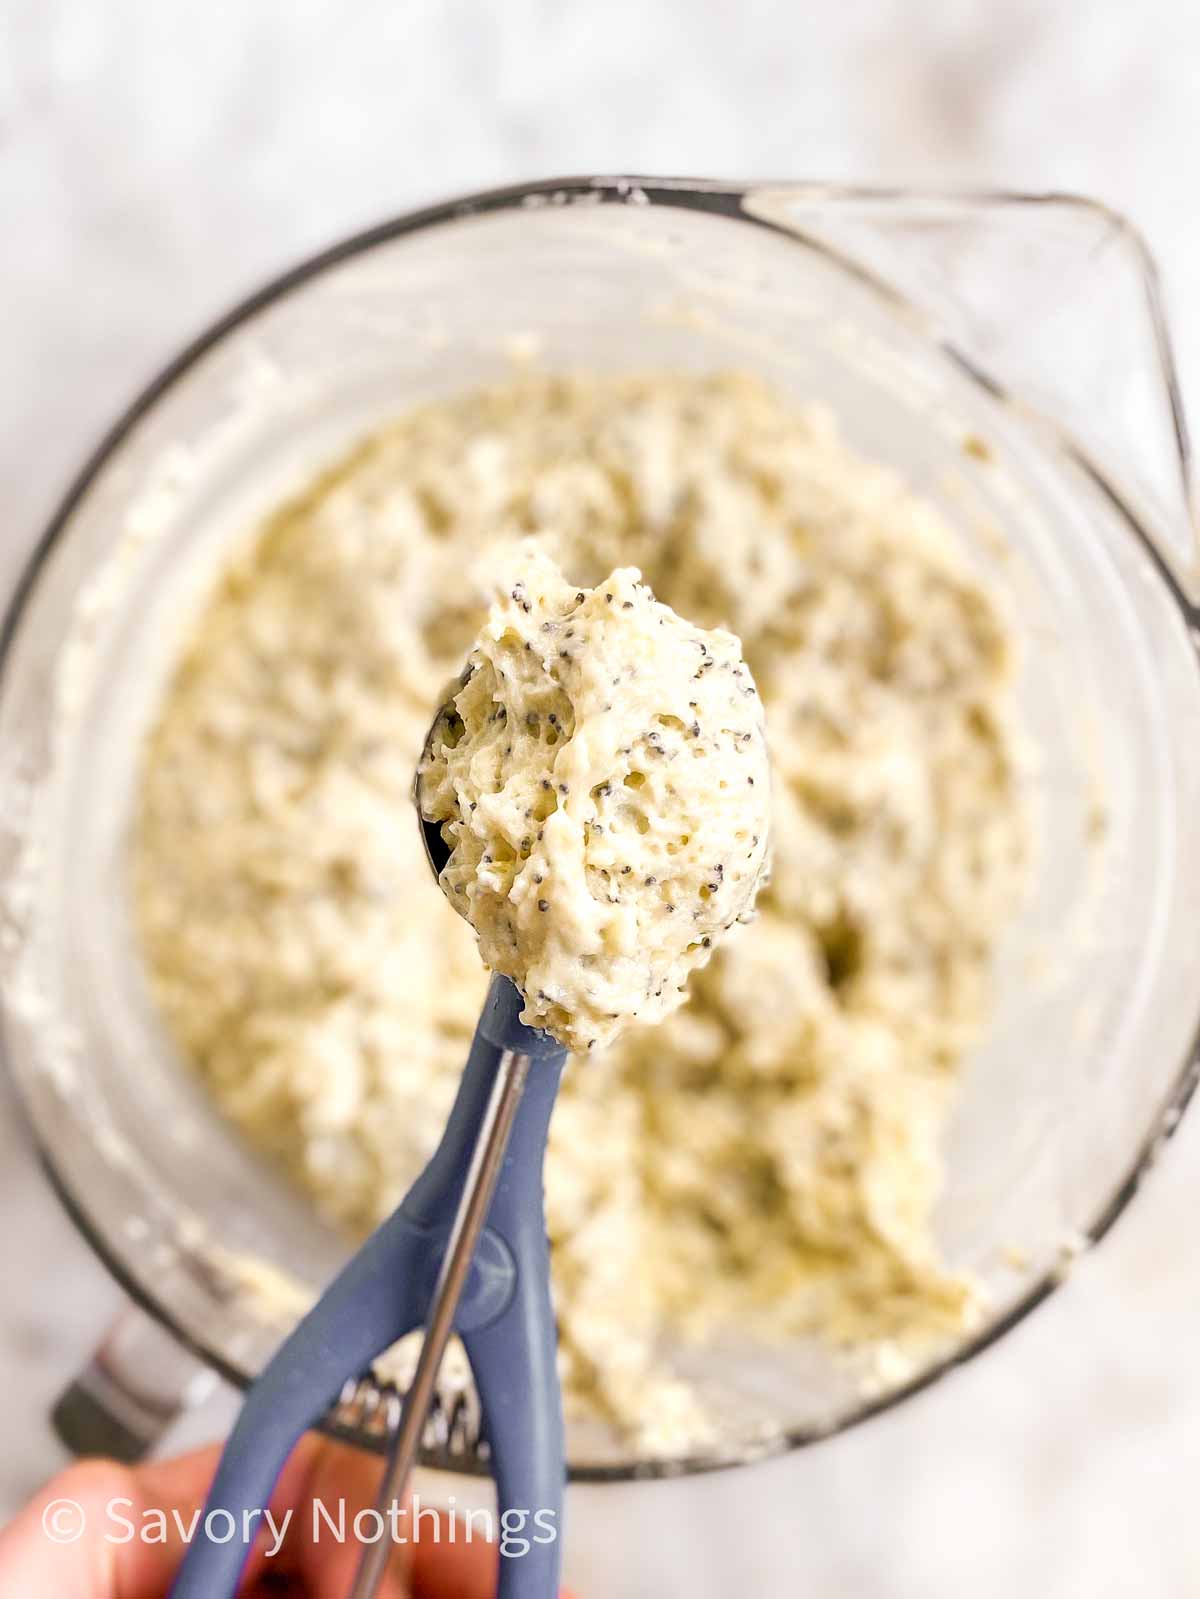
(603, 786)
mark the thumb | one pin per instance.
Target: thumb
(81, 1534)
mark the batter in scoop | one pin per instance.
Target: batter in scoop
(603, 785)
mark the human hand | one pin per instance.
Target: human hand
(77, 1556)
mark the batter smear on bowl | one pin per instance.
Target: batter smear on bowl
(766, 1158)
(602, 782)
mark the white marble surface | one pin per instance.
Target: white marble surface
(156, 159)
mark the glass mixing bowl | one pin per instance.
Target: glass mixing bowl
(1006, 355)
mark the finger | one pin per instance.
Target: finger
(319, 1552)
(128, 1528)
(448, 1562)
(178, 1488)
(100, 1506)
(331, 1490)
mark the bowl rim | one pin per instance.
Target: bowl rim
(723, 198)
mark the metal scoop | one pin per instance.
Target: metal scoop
(465, 1252)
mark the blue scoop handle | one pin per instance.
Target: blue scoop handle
(505, 1319)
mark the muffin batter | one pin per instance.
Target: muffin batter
(602, 781)
(767, 1158)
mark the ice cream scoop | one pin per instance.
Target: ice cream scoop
(465, 1252)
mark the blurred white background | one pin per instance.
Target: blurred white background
(159, 157)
